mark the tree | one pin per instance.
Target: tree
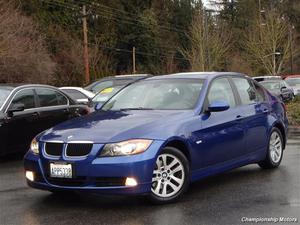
(269, 43)
(23, 52)
(209, 42)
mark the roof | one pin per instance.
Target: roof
(80, 89)
(267, 77)
(125, 77)
(17, 85)
(292, 76)
(199, 75)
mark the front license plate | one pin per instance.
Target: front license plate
(61, 170)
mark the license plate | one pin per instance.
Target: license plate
(61, 170)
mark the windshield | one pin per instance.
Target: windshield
(294, 82)
(271, 85)
(165, 94)
(106, 94)
(4, 93)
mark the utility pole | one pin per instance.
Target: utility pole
(291, 49)
(133, 61)
(85, 46)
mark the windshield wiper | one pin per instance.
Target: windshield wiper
(136, 108)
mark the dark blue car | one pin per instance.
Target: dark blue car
(159, 134)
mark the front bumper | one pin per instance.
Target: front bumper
(94, 174)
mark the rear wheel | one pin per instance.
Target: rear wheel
(275, 150)
(170, 176)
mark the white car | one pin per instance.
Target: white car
(294, 82)
(263, 78)
(79, 94)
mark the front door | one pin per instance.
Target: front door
(221, 137)
(21, 127)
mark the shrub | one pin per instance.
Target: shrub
(293, 110)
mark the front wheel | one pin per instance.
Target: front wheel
(275, 150)
(170, 176)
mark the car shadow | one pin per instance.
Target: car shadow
(200, 190)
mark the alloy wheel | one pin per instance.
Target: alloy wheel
(275, 147)
(168, 176)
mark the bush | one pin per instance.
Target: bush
(23, 53)
(293, 110)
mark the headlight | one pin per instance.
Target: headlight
(130, 147)
(34, 146)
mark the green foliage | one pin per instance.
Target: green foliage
(158, 29)
(293, 109)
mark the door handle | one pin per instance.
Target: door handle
(239, 117)
(265, 111)
(35, 114)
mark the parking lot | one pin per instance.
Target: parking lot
(223, 199)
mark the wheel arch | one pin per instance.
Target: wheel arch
(180, 144)
(280, 127)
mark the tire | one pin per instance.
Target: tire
(275, 150)
(170, 176)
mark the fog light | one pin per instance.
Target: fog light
(130, 182)
(29, 175)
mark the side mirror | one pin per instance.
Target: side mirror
(83, 101)
(98, 106)
(218, 106)
(283, 88)
(16, 108)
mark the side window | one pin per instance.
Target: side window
(48, 97)
(25, 97)
(260, 93)
(245, 90)
(75, 94)
(221, 91)
(62, 100)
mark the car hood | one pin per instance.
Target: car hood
(114, 126)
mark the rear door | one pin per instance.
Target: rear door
(54, 107)
(21, 127)
(255, 112)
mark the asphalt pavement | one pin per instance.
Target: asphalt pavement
(230, 198)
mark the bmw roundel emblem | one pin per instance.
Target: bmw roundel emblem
(69, 137)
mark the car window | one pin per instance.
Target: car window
(246, 91)
(4, 93)
(75, 94)
(294, 82)
(260, 93)
(48, 97)
(99, 86)
(160, 94)
(271, 85)
(106, 94)
(25, 97)
(221, 90)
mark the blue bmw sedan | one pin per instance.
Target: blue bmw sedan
(158, 135)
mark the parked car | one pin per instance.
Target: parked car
(106, 94)
(26, 110)
(267, 77)
(159, 134)
(294, 82)
(279, 88)
(113, 81)
(79, 94)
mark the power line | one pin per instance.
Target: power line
(110, 15)
(62, 5)
(138, 52)
(101, 6)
